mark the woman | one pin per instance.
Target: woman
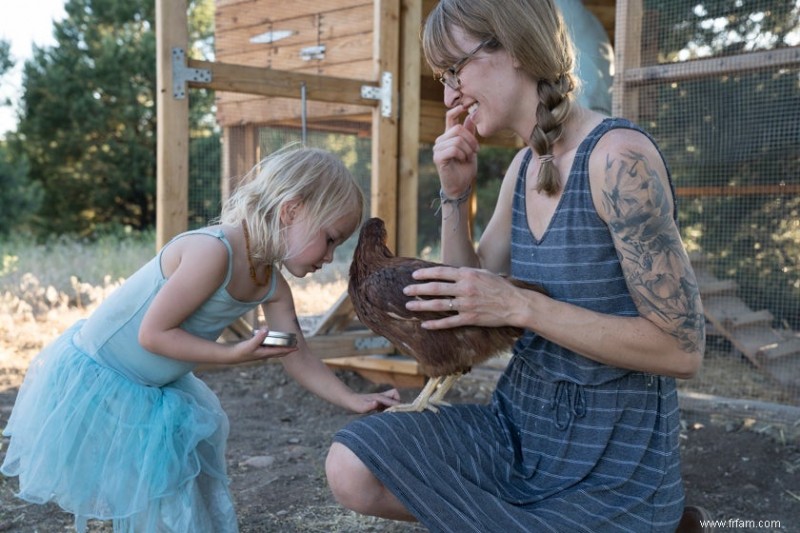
(582, 430)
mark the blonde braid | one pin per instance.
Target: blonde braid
(555, 101)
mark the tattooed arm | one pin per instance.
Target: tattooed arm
(632, 194)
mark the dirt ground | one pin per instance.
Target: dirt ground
(280, 435)
(744, 471)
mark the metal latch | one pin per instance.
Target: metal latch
(181, 74)
(382, 93)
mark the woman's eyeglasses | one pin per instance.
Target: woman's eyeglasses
(450, 77)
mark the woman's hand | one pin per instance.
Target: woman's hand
(479, 297)
(455, 153)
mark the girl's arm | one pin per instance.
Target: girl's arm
(308, 369)
(195, 267)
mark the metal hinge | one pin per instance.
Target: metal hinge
(181, 74)
(382, 93)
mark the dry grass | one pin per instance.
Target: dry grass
(42, 291)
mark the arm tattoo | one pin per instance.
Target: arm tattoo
(656, 267)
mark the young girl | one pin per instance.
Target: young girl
(110, 422)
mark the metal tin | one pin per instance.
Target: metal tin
(279, 338)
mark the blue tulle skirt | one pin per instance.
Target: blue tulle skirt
(105, 447)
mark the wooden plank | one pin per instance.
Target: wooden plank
(387, 363)
(409, 128)
(397, 371)
(240, 150)
(349, 343)
(308, 30)
(250, 13)
(385, 128)
(172, 143)
(711, 67)
(782, 348)
(775, 352)
(752, 340)
(728, 191)
(739, 408)
(761, 318)
(724, 307)
(265, 82)
(265, 111)
(351, 70)
(338, 52)
(627, 51)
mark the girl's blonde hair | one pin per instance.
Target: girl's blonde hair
(321, 183)
(534, 34)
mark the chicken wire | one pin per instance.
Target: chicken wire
(732, 140)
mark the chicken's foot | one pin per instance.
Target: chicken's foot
(430, 396)
(443, 388)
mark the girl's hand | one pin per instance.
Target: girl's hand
(455, 153)
(252, 350)
(367, 403)
(479, 297)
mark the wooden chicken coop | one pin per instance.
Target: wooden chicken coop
(356, 66)
(333, 65)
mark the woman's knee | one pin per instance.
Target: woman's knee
(348, 477)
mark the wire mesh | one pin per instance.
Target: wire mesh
(725, 112)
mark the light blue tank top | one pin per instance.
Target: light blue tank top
(110, 335)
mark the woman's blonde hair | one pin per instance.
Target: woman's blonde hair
(324, 187)
(535, 36)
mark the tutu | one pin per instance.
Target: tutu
(103, 446)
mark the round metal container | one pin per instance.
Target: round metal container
(280, 338)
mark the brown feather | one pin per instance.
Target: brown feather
(377, 279)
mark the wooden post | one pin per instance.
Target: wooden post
(385, 128)
(240, 153)
(628, 55)
(172, 167)
(408, 174)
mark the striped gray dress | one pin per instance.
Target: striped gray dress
(566, 444)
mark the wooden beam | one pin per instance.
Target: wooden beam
(739, 190)
(628, 55)
(345, 23)
(338, 52)
(240, 153)
(259, 110)
(267, 82)
(398, 371)
(711, 67)
(408, 172)
(172, 142)
(385, 127)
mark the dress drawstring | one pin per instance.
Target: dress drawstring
(569, 402)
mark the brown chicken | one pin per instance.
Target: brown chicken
(376, 284)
